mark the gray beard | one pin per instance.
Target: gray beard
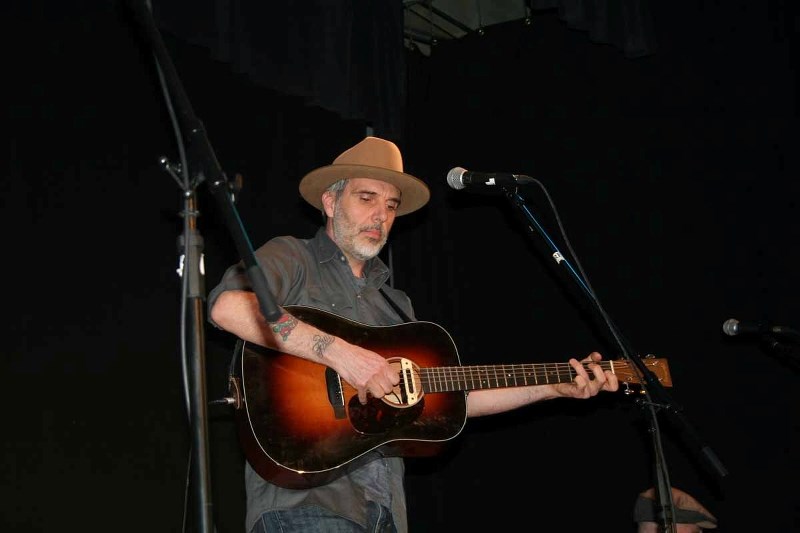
(362, 252)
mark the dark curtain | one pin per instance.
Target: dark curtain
(625, 24)
(675, 178)
(344, 56)
(347, 56)
(675, 175)
(99, 437)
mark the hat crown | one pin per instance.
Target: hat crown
(372, 152)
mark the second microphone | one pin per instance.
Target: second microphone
(460, 178)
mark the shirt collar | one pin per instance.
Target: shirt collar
(375, 270)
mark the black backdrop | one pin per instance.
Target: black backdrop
(675, 176)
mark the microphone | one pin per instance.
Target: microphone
(734, 327)
(460, 178)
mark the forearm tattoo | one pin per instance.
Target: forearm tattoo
(321, 342)
(284, 326)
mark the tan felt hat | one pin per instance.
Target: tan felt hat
(373, 158)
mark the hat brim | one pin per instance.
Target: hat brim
(645, 511)
(414, 192)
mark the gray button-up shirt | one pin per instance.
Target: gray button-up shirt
(314, 272)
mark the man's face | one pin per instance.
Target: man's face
(362, 216)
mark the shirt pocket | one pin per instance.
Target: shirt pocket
(333, 302)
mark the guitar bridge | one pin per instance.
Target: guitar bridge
(335, 393)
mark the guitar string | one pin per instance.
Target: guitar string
(534, 372)
(545, 369)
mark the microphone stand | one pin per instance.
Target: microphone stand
(656, 394)
(786, 354)
(202, 163)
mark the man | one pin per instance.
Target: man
(690, 516)
(338, 271)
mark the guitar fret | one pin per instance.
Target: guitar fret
(512, 373)
(552, 373)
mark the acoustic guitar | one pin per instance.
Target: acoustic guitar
(301, 425)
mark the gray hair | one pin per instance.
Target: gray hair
(336, 188)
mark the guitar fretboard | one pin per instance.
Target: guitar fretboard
(457, 378)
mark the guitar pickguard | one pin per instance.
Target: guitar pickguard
(377, 417)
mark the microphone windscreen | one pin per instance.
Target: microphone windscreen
(731, 327)
(454, 177)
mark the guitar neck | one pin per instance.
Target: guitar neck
(463, 378)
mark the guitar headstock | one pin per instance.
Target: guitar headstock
(629, 375)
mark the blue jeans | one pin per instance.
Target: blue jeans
(312, 518)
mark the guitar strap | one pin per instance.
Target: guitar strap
(403, 316)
